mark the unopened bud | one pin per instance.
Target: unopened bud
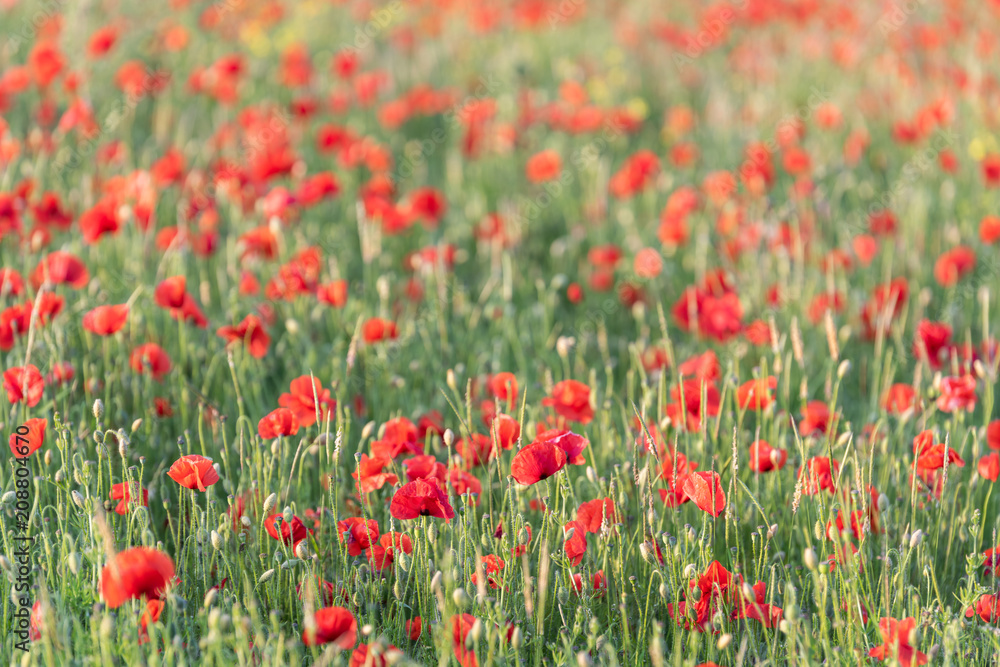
(98, 409)
(810, 559)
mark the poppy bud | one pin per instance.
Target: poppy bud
(883, 502)
(77, 498)
(724, 641)
(583, 659)
(772, 531)
(266, 576)
(269, 503)
(916, 538)
(810, 559)
(461, 598)
(210, 597)
(843, 369)
(818, 530)
(664, 590)
(98, 409)
(107, 626)
(74, 562)
(646, 551)
(748, 593)
(287, 515)
(449, 437)
(450, 380)
(980, 370)
(136, 424)
(436, 581)
(516, 639)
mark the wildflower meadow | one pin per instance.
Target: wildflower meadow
(499, 332)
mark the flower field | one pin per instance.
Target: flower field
(512, 332)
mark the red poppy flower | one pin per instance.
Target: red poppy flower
(277, 423)
(288, 532)
(757, 608)
(23, 445)
(591, 515)
(957, 393)
(302, 400)
(899, 398)
(569, 442)
(251, 333)
(370, 655)
(989, 229)
(815, 418)
(413, 628)
(333, 293)
(334, 625)
(765, 458)
(126, 492)
(60, 268)
(461, 628)
(135, 573)
(377, 329)
(818, 475)
(571, 400)
(358, 534)
(953, 265)
(106, 320)
(987, 608)
(543, 166)
(465, 483)
(756, 394)
(421, 497)
(154, 608)
(705, 489)
(701, 367)
(423, 466)
(393, 540)
(24, 384)
(575, 544)
(537, 462)
(989, 466)
(152, 358)
(896, 638)
(193, 472)
(503, 386)
(370, 475)
(931, 456)
(493, 568)
(507, 430)
(934, 338)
